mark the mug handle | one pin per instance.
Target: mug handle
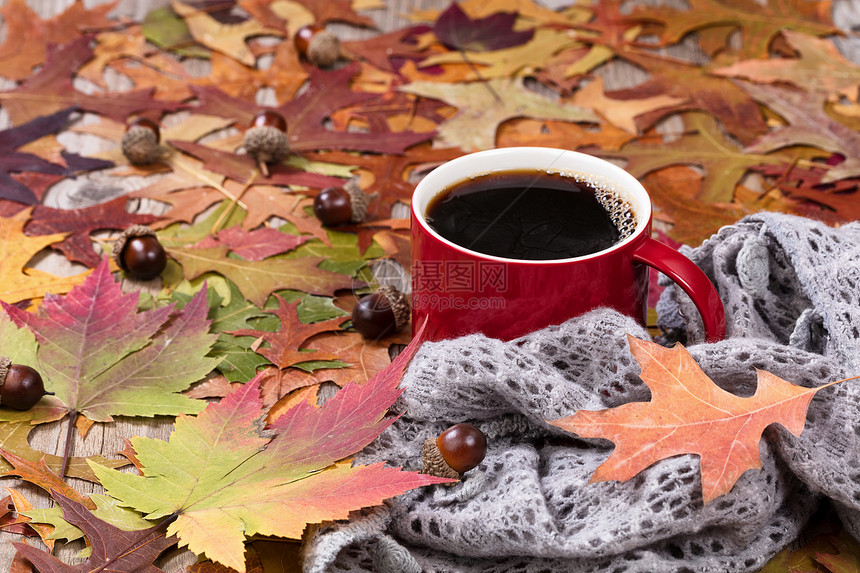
(691, 279)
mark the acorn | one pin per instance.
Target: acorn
(266, 140)
(460, 448)
(140, 143)
(317, 45)
(21, 386)
(138, 252)
(341, 205)
(381, 313)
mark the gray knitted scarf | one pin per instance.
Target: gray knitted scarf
(791, 289)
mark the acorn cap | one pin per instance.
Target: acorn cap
(266, 143)
(399, 305)
(358, 201)
(324, 49)
(5, 363)
(130, 233)
(434, 463)
(140, 145)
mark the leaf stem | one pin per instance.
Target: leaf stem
(67, 450)
(217, 226)
(477, 73)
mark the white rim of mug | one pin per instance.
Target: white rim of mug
(588, 168)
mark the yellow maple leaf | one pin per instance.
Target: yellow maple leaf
(18, 281)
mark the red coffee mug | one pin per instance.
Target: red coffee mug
(461, 291)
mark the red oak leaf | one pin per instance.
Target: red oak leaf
(458, 31)
(80, 223)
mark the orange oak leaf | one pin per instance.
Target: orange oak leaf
(759, 21)
(50, 90)
(818, 67)
(284, 77)
(689, 414)
(283, 349)
(28, 36)
(365, 359)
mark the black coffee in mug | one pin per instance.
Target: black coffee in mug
(530, 215)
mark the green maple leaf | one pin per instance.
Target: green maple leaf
(103, 358)
(478, 117)
(704, 146)
(224, 478)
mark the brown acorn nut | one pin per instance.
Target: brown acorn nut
(319, 46)
(140, 143)
(266, 140)
(458, 449)
(21, 386)
(341, 205)
(138, 252)
(381, 313)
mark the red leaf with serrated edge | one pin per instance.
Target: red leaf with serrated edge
(254, 245)
(80, 223)
(284, 345)
(120, 550)
(102, 357)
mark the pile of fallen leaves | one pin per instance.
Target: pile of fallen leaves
(251, 315)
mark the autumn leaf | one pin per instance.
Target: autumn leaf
(336, 11)
(365, 358)
(455, 29)
(705, 146)
(253, 245)
(14, 445)
(285, 76)
(101, 371)
(79, 223)
(233, 481)
(229, 39)
(808, 125)
(385, 51)
(689, 414)
(50, 90)
(122, 550)
(621, 113)
(242, 167)
(284, 345)
(28, 35)
(12, 161)
(478, 117)
(703, 91)
(17, 282)
(257, 280)
(508, 62)
(759, 22)
(819, 67)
